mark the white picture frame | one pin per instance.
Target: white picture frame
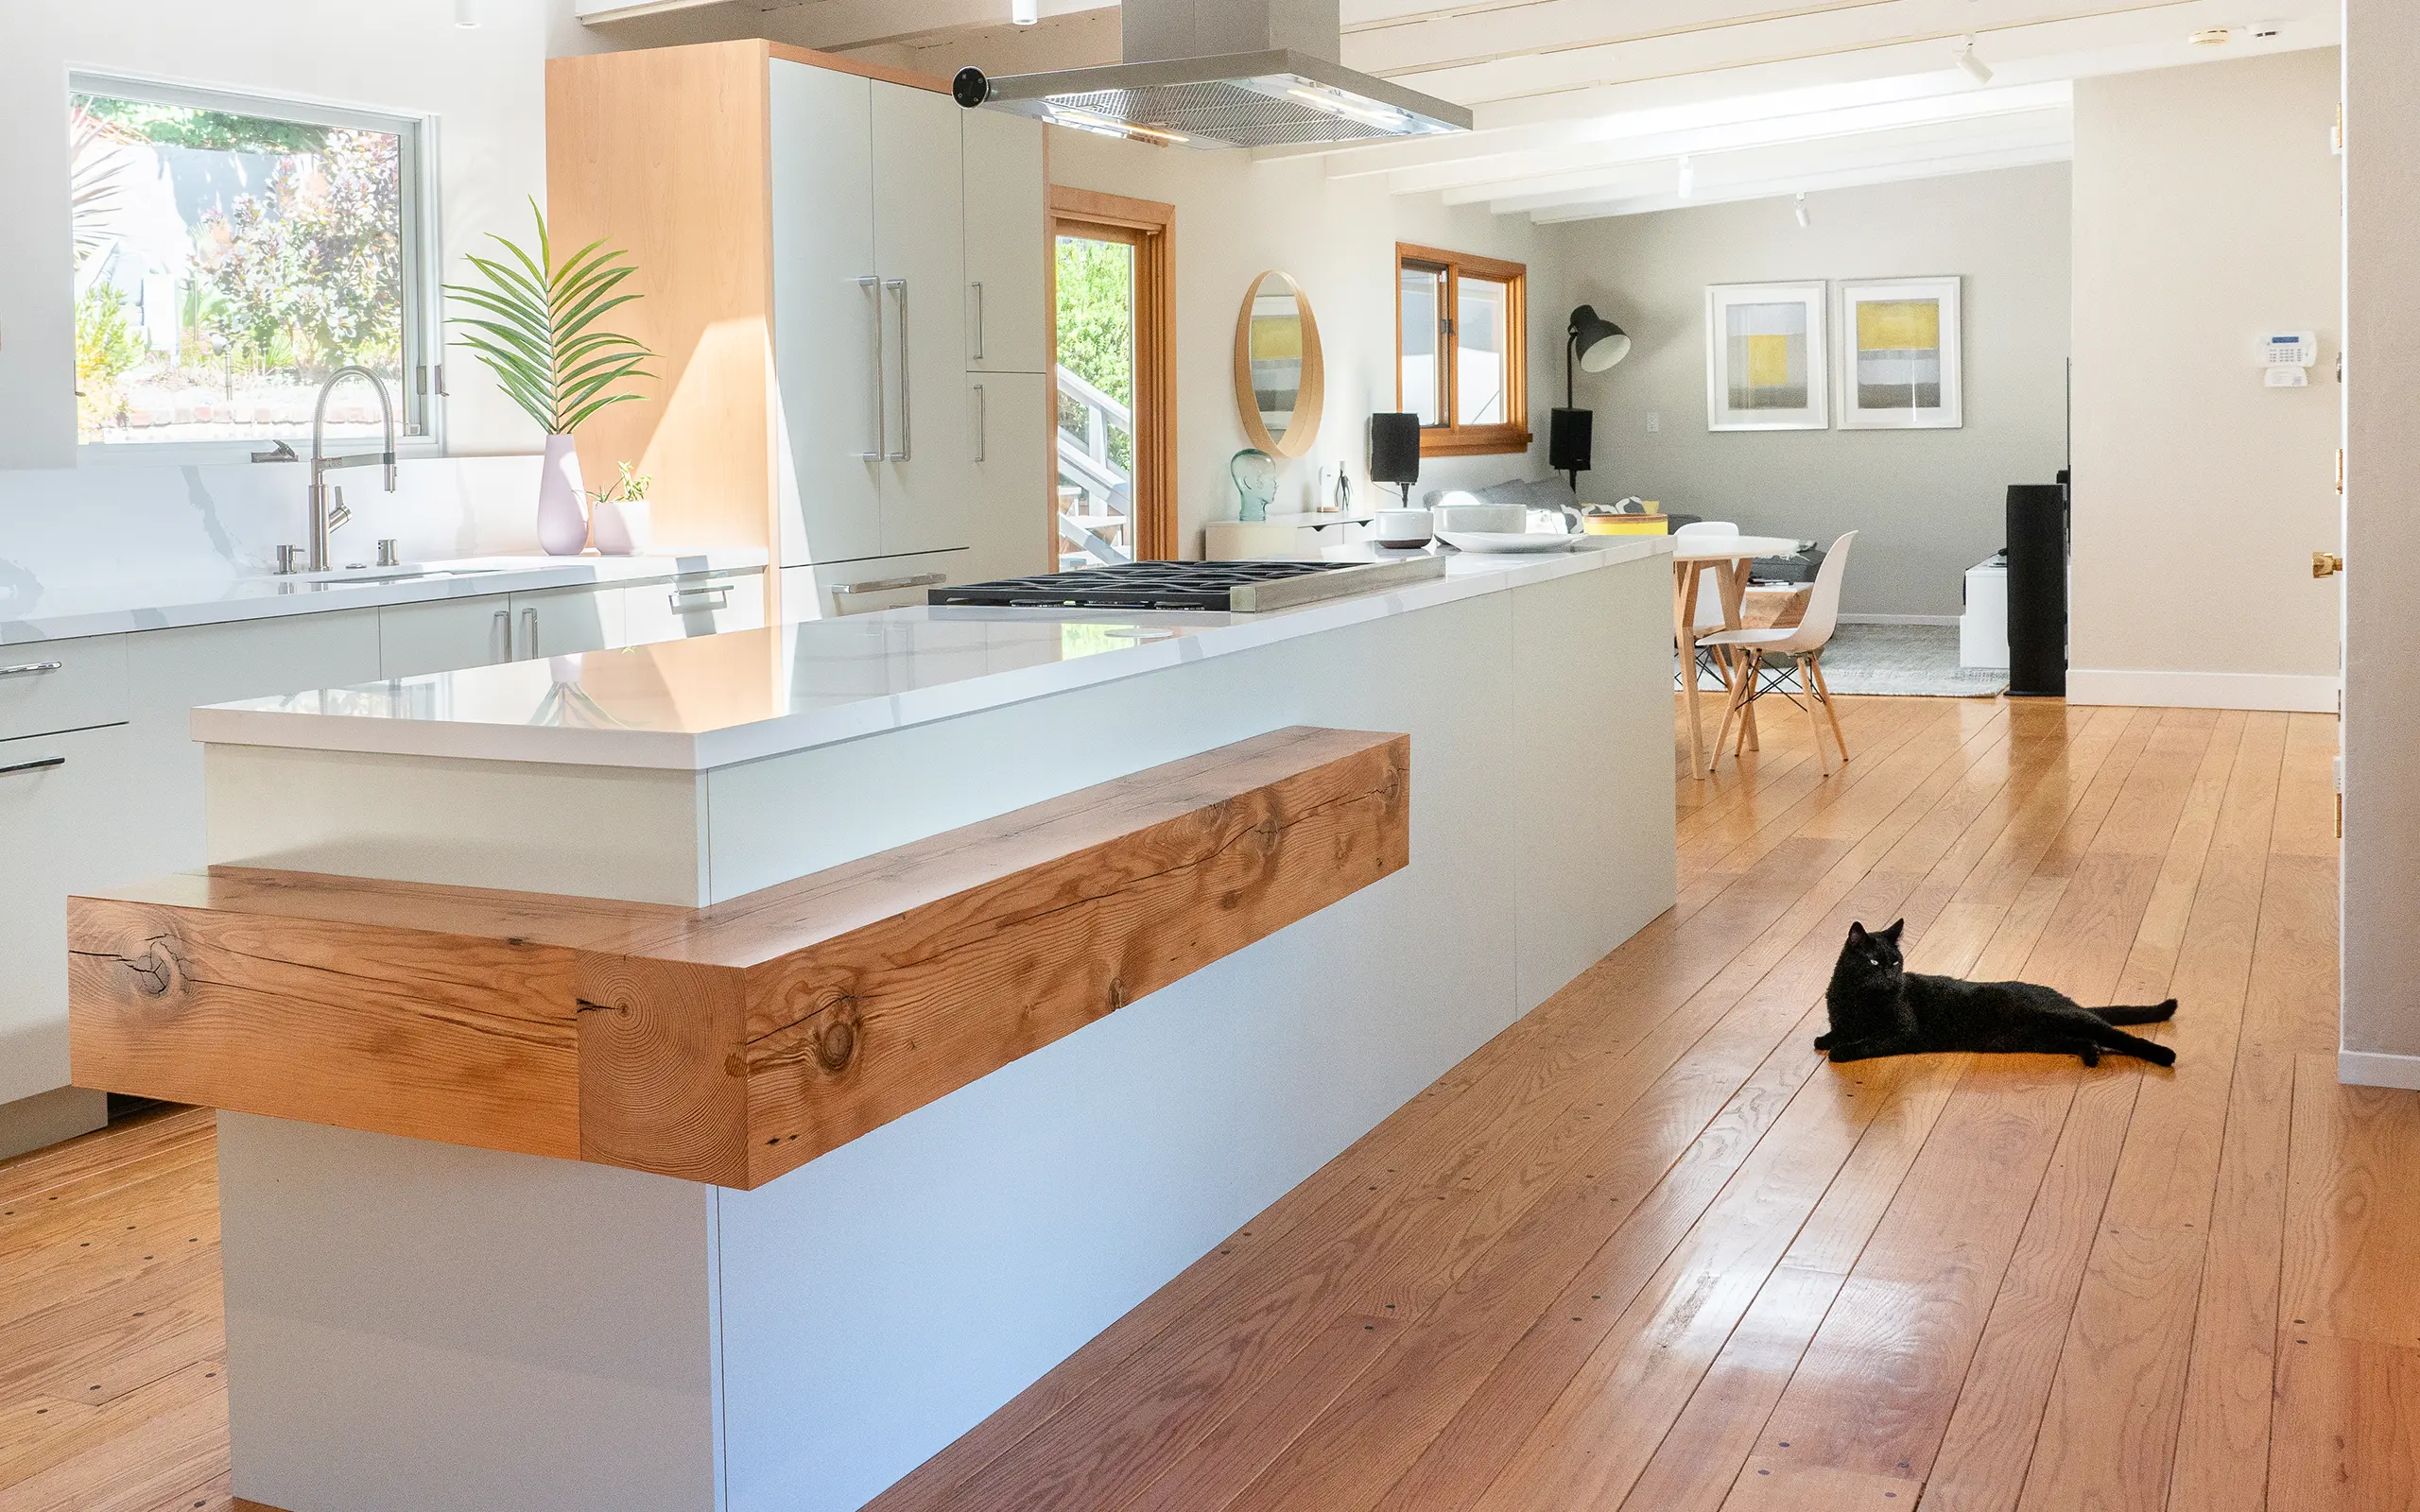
(1902, 354)
(1767, 364)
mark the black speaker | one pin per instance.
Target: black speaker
(1568, 437)
(1394, 448)
(2037, 590)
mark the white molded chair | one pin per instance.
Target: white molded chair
(1803, 643)
(1708, 613)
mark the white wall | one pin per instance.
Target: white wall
(487, 85)
(1235, 218)
(1932, 504)
(2205, 213)
(2381, 904)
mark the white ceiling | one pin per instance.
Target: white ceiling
(1585, 108)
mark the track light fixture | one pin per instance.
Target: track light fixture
(1025, 12)
(1978, 70)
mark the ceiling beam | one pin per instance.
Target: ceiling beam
(1470, 181)
(2018, 156)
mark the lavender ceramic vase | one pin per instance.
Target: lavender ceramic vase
(562, 525)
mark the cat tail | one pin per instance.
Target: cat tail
(2159, 1014)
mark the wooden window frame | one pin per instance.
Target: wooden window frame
(1450, 440)
(1150, 227)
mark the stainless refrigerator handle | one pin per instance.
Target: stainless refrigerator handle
(982, 424)
(42, 766)
(907, 426)
(874, 285)
(29, 669)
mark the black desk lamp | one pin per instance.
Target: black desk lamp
(1594, 344)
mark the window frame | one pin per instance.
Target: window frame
(1449, 439)
(419, 419)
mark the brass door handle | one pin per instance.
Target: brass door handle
(2326, 564)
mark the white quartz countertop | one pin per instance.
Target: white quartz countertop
(718, 700)
(116, 607)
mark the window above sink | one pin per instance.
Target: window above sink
(229, 252)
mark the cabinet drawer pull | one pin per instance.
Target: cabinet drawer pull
(504, 633)
(529, 623)
(979, 319)
(29, 669)
(683, 599)
(42, 766)
(884, 585)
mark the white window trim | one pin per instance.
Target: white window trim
(422, 273)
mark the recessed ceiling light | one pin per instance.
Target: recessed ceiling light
(2212, 36)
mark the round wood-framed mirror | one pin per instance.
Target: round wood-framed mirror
(1281, 378)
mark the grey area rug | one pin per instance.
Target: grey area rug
(1894, 660)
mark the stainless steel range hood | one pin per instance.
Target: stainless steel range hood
(1222, 74)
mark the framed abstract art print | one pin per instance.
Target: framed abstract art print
(1766, 368)
(1901, 367)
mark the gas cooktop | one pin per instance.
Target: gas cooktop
(1241, 587)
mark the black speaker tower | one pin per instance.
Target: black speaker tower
(2037, 590)
(1394, 449)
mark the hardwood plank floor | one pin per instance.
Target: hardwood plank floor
(1644, 1250)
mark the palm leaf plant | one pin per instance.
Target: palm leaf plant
(537, 328)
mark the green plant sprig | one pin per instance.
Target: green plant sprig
(540, 342)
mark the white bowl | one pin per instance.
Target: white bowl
(1403, 527)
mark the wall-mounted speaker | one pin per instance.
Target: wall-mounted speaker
(1394, 448)
(1569, 434)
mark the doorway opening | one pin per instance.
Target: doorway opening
(1112, 333)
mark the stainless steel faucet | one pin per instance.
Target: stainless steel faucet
(328, 509)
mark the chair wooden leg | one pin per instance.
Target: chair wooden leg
(1743, 679)
(1825, 689)
(1814, 723)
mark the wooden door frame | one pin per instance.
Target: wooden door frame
(1149, 227)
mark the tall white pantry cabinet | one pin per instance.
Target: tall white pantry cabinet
(844, 274)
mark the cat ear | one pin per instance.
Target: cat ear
(1892, 933)
(1856, 932)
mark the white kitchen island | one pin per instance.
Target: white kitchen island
(418, 1324)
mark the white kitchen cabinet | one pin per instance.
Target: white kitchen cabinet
(691, 606)
(443, 635)
(53, 686)
(829, 332)
(1008, 244)
(836, 590)
(562, 621)
(919, 241)
(808, 234)
(1010, 430)
(70, 825)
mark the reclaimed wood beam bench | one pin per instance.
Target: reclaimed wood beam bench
(732, 1044)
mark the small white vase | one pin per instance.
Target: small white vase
(623, 527)
(562, 526)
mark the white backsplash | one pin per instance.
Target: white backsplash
(69, 527)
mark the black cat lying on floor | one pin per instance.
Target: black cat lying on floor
(1879, 1009)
